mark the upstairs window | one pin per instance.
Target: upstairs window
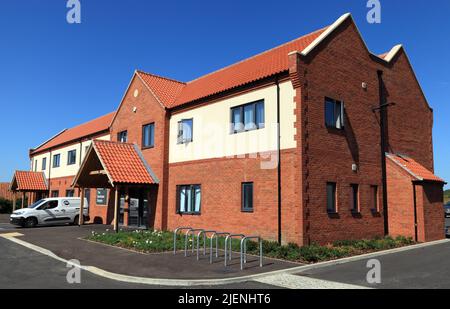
(35, 165)
(189, 199)
(71, 157)
(148, 136)
(56, 160)
(331, 198)
(44, 164)
(247, 117)
(334, 113)
(122, 137)
(185, 130)
(70, 193)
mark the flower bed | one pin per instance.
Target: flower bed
(158, 241)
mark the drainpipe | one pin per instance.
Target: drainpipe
(279, 159)
(383, 106)
(415, 213)
(49, 173)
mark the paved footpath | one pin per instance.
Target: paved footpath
(22, 268)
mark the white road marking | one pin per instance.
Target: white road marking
(298, 282)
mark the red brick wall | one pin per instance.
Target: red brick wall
(221, 180)
(400, 201)
(4, 191)
(148, 110)
(338, 69)
(432, 201)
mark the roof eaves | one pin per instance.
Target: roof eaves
(325, 34)
(147, 166)
(392, 158)
(94, 146)
(151, 91)
(33, 150)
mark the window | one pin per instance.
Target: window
(71, 157)
(56, 160)
(55, 193)
(354, 200)
(122, 136)
(49, 205)
(331, 198)
(334, 113)
(247, 117)
(247, 196)
(148, 135)
(70, 193)
(374, 199)
(189, 199)
(44, 164)
(185, 131)
(35, 165)
(101, 196)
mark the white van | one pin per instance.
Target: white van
(48, 211)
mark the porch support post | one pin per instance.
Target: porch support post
(23, 200)
(14, 201)
(116, 209)
(81, 216)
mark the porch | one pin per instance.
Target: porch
(121, 168)
(31, 186)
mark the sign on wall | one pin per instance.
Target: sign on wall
(101, 196)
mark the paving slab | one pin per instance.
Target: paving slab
(67, 242)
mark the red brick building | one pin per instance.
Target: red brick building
(314, 105)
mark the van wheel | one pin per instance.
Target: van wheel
(76, 220)
(31, 222)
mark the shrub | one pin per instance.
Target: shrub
(5, 206)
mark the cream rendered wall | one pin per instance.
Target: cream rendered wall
(64, 170)
(211, 127)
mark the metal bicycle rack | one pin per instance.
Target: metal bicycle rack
(175, 237)
(214, 235)
(244, 250)
(189, 231)
(230, 238)
(204, 241)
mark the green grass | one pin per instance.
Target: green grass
(157, 241)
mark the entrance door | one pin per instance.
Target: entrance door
(138, 214)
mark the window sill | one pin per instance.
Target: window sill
(247, 210)
(333, 215)
(184, 142)
(149, 147)
(375, 212)
(189, 213)
(356, 213)
(335, 130)
(244, 131)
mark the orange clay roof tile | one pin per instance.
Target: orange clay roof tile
(30, 181)
(123, 163)
(86, 129)
(418, 171)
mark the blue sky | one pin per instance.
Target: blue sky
(55, 75)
